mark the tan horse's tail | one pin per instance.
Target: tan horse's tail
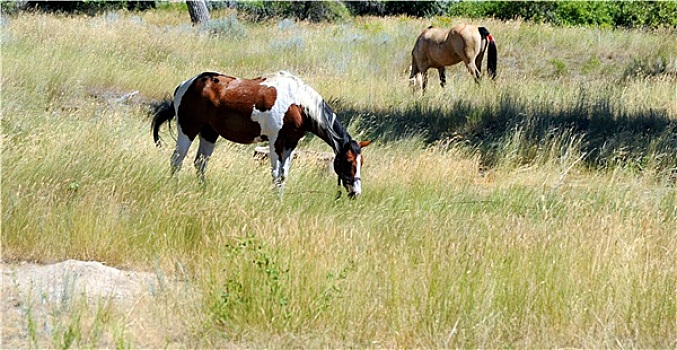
(493, 54)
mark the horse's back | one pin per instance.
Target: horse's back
(433, 35)
(461, 42)
(224, 103)
(432, 49)
(221, 91)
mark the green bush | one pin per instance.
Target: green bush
(416, 8)
(645, 14)
(314, 11)
(648, 67)
(628, 14)
(90, 7)
(391, 8)
(634, 14)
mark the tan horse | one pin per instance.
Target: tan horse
(438, 48)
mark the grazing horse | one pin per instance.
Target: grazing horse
(437, 48)
(279, 108)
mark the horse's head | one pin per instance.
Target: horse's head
(347, 165)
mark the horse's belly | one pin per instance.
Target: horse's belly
(238, 129)
(441, 58)
(242, 137)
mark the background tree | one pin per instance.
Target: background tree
(199, 13)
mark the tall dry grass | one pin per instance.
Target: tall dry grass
(537, 210)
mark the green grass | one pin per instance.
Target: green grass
(537, 210)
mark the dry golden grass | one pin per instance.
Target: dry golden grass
(510, 234)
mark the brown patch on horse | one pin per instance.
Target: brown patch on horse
(225, 105)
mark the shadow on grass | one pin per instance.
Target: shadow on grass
(605, 136)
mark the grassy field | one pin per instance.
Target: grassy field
(536, 210)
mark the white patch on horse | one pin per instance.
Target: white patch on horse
(178, 96)
(269, 122)
(292, 90)
(287, 93)
(358, 166)
(357, 184)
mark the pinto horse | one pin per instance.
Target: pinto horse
(279, 108)
(437, 48)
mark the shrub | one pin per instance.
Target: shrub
(90, 7)
(314, 11)
(385, 8)
(647, 67)
(645, 14)
(229, 27)
(416, 8)
(366, 8)
(632, 14)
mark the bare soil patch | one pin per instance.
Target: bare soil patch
(105, 305)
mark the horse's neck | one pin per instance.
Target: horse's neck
(331, 132)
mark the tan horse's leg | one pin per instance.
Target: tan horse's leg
(473, 70)
(478, 60)
(443, 76)
(416, 77)
(472, 50)
(424, 80)
(416, 82)
(420, 80)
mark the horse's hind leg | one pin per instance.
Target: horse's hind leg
(443, 77)
(207, 140)
(473, 70)
(204, 152)
(182, 146)
(478, 61)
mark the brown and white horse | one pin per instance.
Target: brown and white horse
(279, 108)
(437, 48)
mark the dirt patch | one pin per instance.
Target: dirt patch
(64, 280)
(94, 304)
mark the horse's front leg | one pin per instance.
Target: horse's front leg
(275, 167)
(424, 81)
(279, 165)
(419, 80)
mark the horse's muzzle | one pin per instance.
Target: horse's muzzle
(354, 189)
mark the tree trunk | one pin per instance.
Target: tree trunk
(199, 13)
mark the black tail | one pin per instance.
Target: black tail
(162, 112)
(492, 59)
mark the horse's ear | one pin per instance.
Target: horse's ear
(364, 143)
